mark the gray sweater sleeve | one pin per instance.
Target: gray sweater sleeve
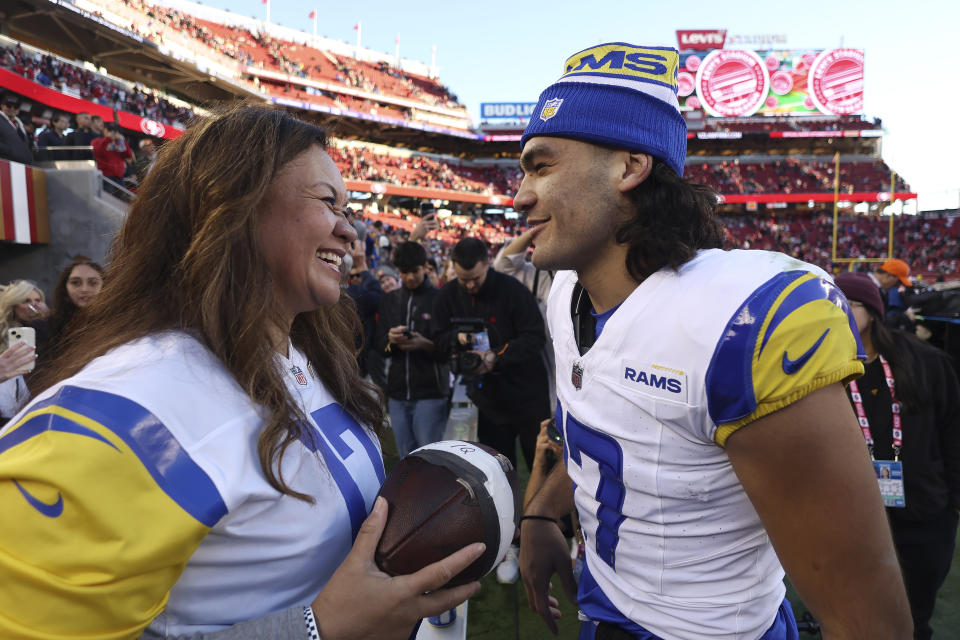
(285, 625)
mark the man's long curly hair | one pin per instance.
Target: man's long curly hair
(189, 258)
(674, 218)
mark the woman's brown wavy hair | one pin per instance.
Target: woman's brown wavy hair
(189, 258)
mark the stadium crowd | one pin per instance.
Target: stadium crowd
(79, 82)
(792, 175)
(258, 48)
(359, 163)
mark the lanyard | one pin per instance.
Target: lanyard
(894, 408)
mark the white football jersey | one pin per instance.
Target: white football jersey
(672, 540)
(164, 512)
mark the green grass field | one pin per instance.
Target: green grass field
(501, 612)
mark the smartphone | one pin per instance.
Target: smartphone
(26, 335)
(553, 434)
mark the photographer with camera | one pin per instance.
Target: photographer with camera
(417, 383)
(490, 327)
(495, 343)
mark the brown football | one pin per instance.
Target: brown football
(443, 497)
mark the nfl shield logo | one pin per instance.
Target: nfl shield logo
(550, 108)
(577, 375)
(298, 374)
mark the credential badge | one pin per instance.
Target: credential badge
(550, 108)
(576, 376)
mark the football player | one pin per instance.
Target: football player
(700, 392)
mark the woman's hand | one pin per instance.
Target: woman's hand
(360, 602)
(16, 360)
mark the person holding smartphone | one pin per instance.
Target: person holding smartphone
(418, 383)
(21, 304)
(206, 460)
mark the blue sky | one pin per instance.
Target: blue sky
(509, 51)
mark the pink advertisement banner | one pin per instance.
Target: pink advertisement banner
(744, 82)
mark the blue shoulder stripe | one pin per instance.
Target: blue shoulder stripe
(729, 379)
(168, 463)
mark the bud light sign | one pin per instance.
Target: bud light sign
(506, 110)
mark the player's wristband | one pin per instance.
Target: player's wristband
(545, 518)
(308, 618)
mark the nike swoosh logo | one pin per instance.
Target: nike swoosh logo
(790, 367)
(50, 510)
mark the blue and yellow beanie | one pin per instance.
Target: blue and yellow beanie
(617, 94)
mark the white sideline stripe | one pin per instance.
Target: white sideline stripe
(21, 206)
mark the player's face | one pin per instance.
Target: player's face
(569, 194)
(305, 234)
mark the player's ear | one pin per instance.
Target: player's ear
(636, 169)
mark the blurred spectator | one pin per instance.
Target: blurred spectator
(512, 260)
(15, 144)
(76, 288)
(81, 136)
(21, 302)
(417, 383)
(364, 289)
(384, 247)
(389, 278)
(96, 126)
(112, 153)
(908, 401)
(893, 277)
(148, 155)
(53, 136)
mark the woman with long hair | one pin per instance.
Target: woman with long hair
(908, 402)
(21, 304)
(205, 455)
(77, 285)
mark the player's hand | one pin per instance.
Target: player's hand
(16, 360)
(360, 602)
(544, 552)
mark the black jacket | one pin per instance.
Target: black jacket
(367, 296)
(516, 389)
(413, 375)
(12, 146)
(931, 431)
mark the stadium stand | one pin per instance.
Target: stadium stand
(775, 174)
(73, 79)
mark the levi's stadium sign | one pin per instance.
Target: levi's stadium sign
(701, 40)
